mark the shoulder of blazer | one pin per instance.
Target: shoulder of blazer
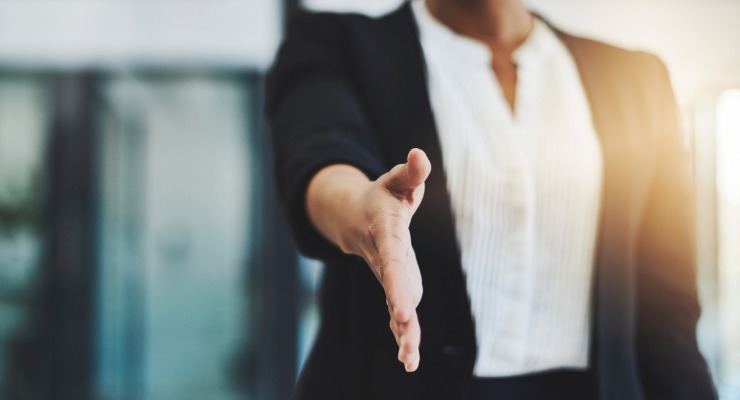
(327, 42)
(636, 81)
(612, 61)
(336, 28)
(333, 27)
(324, 25)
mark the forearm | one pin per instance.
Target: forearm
(332, 201)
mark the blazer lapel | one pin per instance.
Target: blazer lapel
(623, 190)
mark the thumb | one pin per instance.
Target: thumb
(405, 178)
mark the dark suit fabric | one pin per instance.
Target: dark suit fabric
(352, 89)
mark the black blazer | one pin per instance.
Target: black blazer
(352, 89)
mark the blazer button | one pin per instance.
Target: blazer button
(450, 350)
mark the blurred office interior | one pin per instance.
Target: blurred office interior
(143, 254)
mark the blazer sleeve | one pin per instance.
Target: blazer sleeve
(316, 118)
(671, 365)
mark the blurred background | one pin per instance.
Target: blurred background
(143, 254)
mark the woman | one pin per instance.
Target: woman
(531, 182)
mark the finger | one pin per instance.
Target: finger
(393, 249)
(414, 276)
(418, 166)
(408, 352)
(410, 334)
(398, 291)
(394, 328)
(413, 364)
(405, 178)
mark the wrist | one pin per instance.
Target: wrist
(352, 232)
(334, 202)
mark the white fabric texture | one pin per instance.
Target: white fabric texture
(525, 191)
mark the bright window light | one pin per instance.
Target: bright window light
(728, 213)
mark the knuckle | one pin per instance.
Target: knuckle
(401, 314)
(345, 247)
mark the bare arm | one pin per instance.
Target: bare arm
(371, 219)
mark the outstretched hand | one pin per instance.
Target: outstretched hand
(375, 226)
(390, 203)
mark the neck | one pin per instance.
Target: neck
(501, 24)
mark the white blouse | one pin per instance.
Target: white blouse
(525, 192)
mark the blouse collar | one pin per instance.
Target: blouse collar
(468, 50)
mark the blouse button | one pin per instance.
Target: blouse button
(451, 350)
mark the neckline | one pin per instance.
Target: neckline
(468, 49)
